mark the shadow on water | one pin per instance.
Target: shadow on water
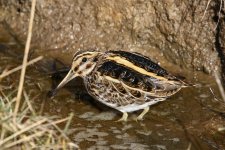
(191, 119)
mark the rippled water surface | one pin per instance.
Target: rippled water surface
(188, 120)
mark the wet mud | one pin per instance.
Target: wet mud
(193, 118)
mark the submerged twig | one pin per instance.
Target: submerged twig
(216, 98)
(220, 86)
(189, 146)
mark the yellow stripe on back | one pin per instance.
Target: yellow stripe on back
(129, 64)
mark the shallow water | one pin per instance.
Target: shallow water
(189, 119)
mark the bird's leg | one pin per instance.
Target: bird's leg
(140, 117)
(123, 118)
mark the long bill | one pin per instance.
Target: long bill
(70, 75)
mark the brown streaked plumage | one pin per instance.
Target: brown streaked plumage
(123, 80)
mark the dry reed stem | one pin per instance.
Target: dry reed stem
(7, 73)
(53, 123)
(26, 52)
(28, 103)
(59, 130)
(68, 123)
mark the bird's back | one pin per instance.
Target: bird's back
(139, 72)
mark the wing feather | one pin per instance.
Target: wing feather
(133, 81)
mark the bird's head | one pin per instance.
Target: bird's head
(83, 64)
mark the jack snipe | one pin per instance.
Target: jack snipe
(122, 80)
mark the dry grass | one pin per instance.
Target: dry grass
(31, 131)
(20, 127)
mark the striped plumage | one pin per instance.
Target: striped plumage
(122, 80)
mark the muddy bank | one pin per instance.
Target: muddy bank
(183, 32)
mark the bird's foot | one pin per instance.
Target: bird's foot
(140, 117)
(123, 118)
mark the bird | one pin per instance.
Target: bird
(125, 81)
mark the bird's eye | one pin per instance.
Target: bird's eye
(84, 59)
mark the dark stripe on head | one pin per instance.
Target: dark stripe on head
(82, 53)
